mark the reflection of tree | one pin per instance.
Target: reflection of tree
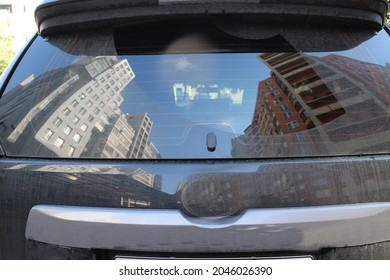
(6, 44)
(388, 11)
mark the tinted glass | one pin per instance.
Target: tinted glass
(74, 97)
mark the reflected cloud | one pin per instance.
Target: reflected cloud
(183, 64)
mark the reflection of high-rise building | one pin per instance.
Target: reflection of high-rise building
(78, 113)
(142, 126)
(329, 89)
(112, 187)
(113, 142)
(68, 130)
(314, 105)
(277, 111)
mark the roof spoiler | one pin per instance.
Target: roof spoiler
(54, 16)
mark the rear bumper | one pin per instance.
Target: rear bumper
(303, 229)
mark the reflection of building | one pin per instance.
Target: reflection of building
(277, 111)
(141, 147)
(317, 104)
(89, 185)
(185, 93)
(79, 114)
(68, 130)
(330, 88)
(113, 142)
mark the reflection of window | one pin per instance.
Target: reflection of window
(67, 130)
(319, 182)
(101, 104)
(48, 134)
(297, 106)
(82, 96)
(95, 97)
(71, 151)
(292, 125)
(368, 78)
(57, 121)
(288, 115)
(89, 104)
(283, 107)
(90, 118)
(59, 142)
(82, 111)
(74, 103)
(76, 120)
(77, 138)
(278, 100)
(304, 115)
(96, 111)
(66, 112)
(84, 127)
(323, 194)
(274, 93)
(89, 90)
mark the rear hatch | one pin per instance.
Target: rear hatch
(235, 130)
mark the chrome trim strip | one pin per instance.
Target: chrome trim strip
(256, 230)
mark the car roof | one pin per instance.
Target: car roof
(53, 16)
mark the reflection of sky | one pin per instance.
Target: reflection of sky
(35, 64)
(152, 89)
(155, 76)
(372, 51)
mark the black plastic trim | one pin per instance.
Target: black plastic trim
(61, 16)
(9, 71)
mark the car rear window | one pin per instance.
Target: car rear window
(119, 96)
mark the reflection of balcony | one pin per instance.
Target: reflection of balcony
(331, 115)
(323, 101)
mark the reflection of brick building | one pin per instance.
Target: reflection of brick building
(342, 98)
(277, 111)
(336, 89)
(305, 82)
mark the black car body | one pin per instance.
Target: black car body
(198, 129)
